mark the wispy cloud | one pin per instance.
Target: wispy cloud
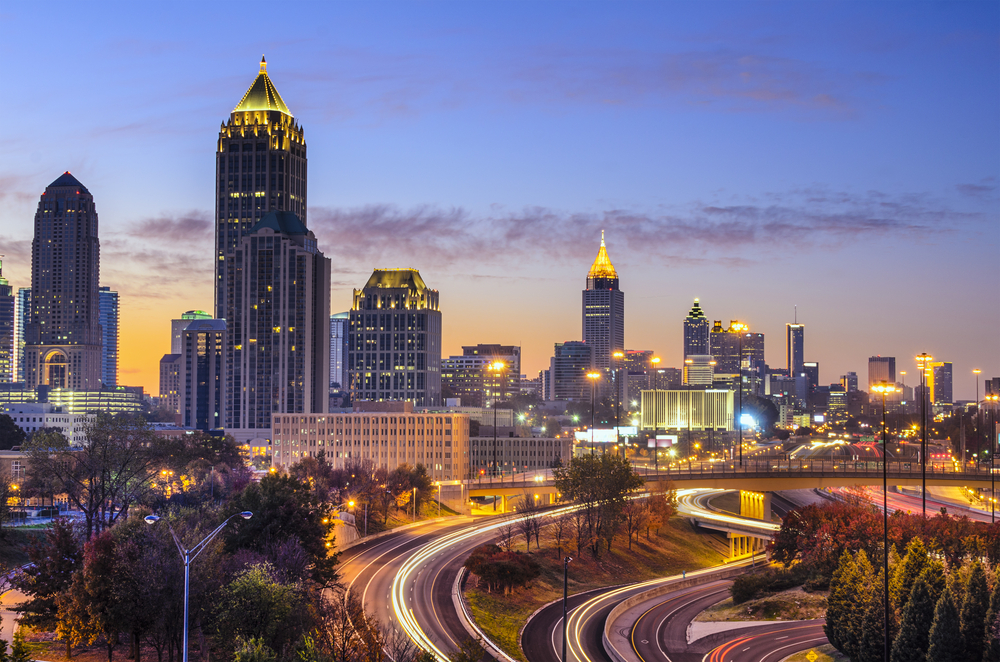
(195, 225)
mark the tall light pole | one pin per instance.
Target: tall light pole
(976, 371)
(593, 376)
(652, 385)
(189, 555)
(884, 387)
(923, 360)
(566, 562)
(497, 367)
(991, 432)
(739, 328)
(618, 397)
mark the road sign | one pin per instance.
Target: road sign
(812, 656)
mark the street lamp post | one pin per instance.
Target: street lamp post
(189, 555)
(618, 397)
(923, 360)
(991, 431)
(593, 377)
(979, 425)
(739, 328)
(565, 598)
(884, 387)
(496, 367)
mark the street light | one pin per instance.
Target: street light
(976, 371)
(496, 367)
(992, 451)
(565, 598)
(189, 555)
(923, 360)
(618, 398)
(884, 387)
(739, 328)
(593, 377)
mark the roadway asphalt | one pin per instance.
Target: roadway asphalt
(767, 643)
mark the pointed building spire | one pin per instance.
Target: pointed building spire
(602, 267)
(263, 65)
(262, 94)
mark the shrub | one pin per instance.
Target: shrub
(750, 586)
(502, 570)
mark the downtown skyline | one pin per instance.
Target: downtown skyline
(732, 160)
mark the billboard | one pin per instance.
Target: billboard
(662, 441)
(608, 436)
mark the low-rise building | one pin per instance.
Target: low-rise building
(518, 454)
(37, 415)
(439, 441)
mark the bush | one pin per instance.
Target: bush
(502, 570)
(750, 586)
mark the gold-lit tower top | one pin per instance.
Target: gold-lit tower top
(262, 95)
(602, 267)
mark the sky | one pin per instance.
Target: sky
(838, 157)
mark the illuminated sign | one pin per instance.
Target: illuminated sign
(662, 441)
(609, 436)
(818, 418)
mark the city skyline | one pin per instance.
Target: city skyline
(393, 188)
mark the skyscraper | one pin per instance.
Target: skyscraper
(939, 381)
(795, 336)
(603, 310)
(339, 324)
(469, 376)
(282, 311)
(568, 370)
(394, 343)
(177, 327)
(202, 374)
(22, 315)
(849, 382)
(260, 166)
(109, 336)
(881, 368)
(63, 337)
(696, 329)
(7, 324)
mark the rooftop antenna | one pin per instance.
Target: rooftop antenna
(796, 314)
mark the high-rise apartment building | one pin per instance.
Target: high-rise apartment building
(881, 368)
(202, 374)
(63, 337)
(170, 382)
(282, 311)
(260, 166)
(394, 342)
(568, 370)
(603, 310)
(470, 378)
(339, 327)
(109, 336)
(7, 324)
(795, 336)
(177, 327)
(22, 314)
(696, 330)
(939, 381)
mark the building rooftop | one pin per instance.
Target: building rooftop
(69, 181)
(281, 221)
(262, 95)
(696, 311)
(602, 267)
(395, 278)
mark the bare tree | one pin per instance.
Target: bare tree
(506, 533)
(635, 513)
(527, 513)
(561, 532)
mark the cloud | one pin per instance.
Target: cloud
(976, 190)
(189, 227)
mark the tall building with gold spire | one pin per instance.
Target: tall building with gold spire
(260, 166)
(603, 310)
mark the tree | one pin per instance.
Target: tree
(871, 643)
(527, 510)
(105, 476)
(945, 640)
(973, 614)
(48, 577)
(918, 616)
(284, 508)
(601, 485)
(914, 563)
(842, 603)
(10, 434)
(635, 514)
(991, 638)
(89, 610)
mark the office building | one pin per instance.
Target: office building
(109, 334)
(390, 438)
(470, 378)
(638, 368)
(260, 166)
(699, 370)
(35, 416)
(667, 378)
(170, 382)
(696, 330)
(811, 370)
(881, 368)
(281, 311)
(603, 310)
(568, 370)
(177, 327)
(849, 382)
(394, 342)
(795, 336)
(22, 314)
(8, 321)
(939, 380)
(516, 454)
(63, 337)
(111, 400)
(688, 409)
(339, 325)
(726, 345)
(202, 374)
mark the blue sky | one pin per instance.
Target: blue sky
(842, 157)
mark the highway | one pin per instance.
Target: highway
(767, 644)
